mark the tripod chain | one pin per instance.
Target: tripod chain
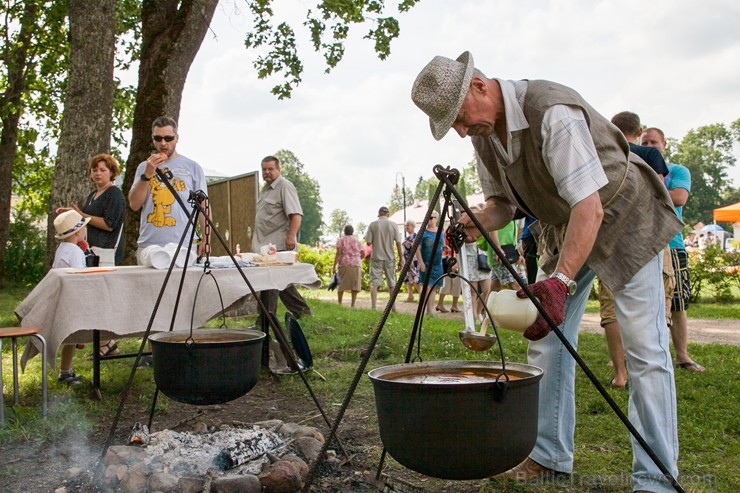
(202, 198)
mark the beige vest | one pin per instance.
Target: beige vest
(639, 219)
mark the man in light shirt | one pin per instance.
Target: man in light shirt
(277, 221)
(383, 235)
(678, 182)
(542, 149)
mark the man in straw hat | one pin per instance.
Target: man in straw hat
(541, 148)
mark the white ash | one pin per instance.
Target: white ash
(191, 453)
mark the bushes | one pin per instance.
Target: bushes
(24, 258)
(714, 270)
(324, 261)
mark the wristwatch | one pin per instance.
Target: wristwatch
(569, 283)
(143, 177)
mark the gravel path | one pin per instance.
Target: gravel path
(704, 331)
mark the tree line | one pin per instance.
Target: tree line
(61, 101)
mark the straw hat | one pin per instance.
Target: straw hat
(440, 88)
(68, 223)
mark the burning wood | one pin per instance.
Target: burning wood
(139, 435)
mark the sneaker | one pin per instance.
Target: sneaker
(70, 378)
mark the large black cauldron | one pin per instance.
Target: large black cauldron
(453, 419)
(206, 366)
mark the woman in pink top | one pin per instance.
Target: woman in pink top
(347, 264)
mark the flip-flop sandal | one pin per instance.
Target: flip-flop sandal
(108, 350)
(692, 366)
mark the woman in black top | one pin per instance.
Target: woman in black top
(106, 208)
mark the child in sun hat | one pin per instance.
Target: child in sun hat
(71, 228)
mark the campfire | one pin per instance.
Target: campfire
(269, 456)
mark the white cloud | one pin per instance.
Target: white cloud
(672, 62)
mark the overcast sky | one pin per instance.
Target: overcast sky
(674, 62)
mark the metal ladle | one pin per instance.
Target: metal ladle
(469, 337)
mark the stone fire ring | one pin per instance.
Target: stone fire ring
(269, 456)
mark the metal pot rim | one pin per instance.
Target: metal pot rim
(239, 336)
(531, 372)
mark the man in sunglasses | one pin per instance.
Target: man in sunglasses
(163, 220)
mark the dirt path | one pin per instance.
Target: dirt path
(704, 331)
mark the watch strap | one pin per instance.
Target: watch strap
(569, 283)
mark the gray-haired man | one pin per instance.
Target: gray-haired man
(543, 149)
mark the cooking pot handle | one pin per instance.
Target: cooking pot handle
(500, 386)
(195, 299)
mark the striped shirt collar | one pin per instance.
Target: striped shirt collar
(513, 92)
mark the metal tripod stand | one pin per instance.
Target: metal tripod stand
(196, 209)
(448, 178)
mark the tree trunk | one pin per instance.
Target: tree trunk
(88, 107)
(14, 54)
(172, 32)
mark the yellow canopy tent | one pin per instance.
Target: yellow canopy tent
(730, 213)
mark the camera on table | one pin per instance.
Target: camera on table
(91, 260)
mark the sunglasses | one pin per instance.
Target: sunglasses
(160, 138)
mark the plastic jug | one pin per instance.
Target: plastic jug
(509, 311)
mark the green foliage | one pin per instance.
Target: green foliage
(708, 413)
(32, 86)
(309, 195)
(33, 172)
(339, 219)
(469, 176)
(328, 24)
(708, 153)
(13, 294)
(322, 261)
(731, 196)
(398, 199)
(124, 102)
(45, 77)
(26, 253)
(715, 310)
(128, 32)
(714, 270)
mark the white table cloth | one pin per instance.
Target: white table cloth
(68, 305)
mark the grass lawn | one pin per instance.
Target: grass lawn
(708, 406)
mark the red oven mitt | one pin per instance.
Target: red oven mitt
(551, 293)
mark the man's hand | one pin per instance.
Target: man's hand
(202, 248)
(153, 162)
(290, 242)
(551, 293)
(496, 214)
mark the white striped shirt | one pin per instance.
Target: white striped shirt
(568, 149)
